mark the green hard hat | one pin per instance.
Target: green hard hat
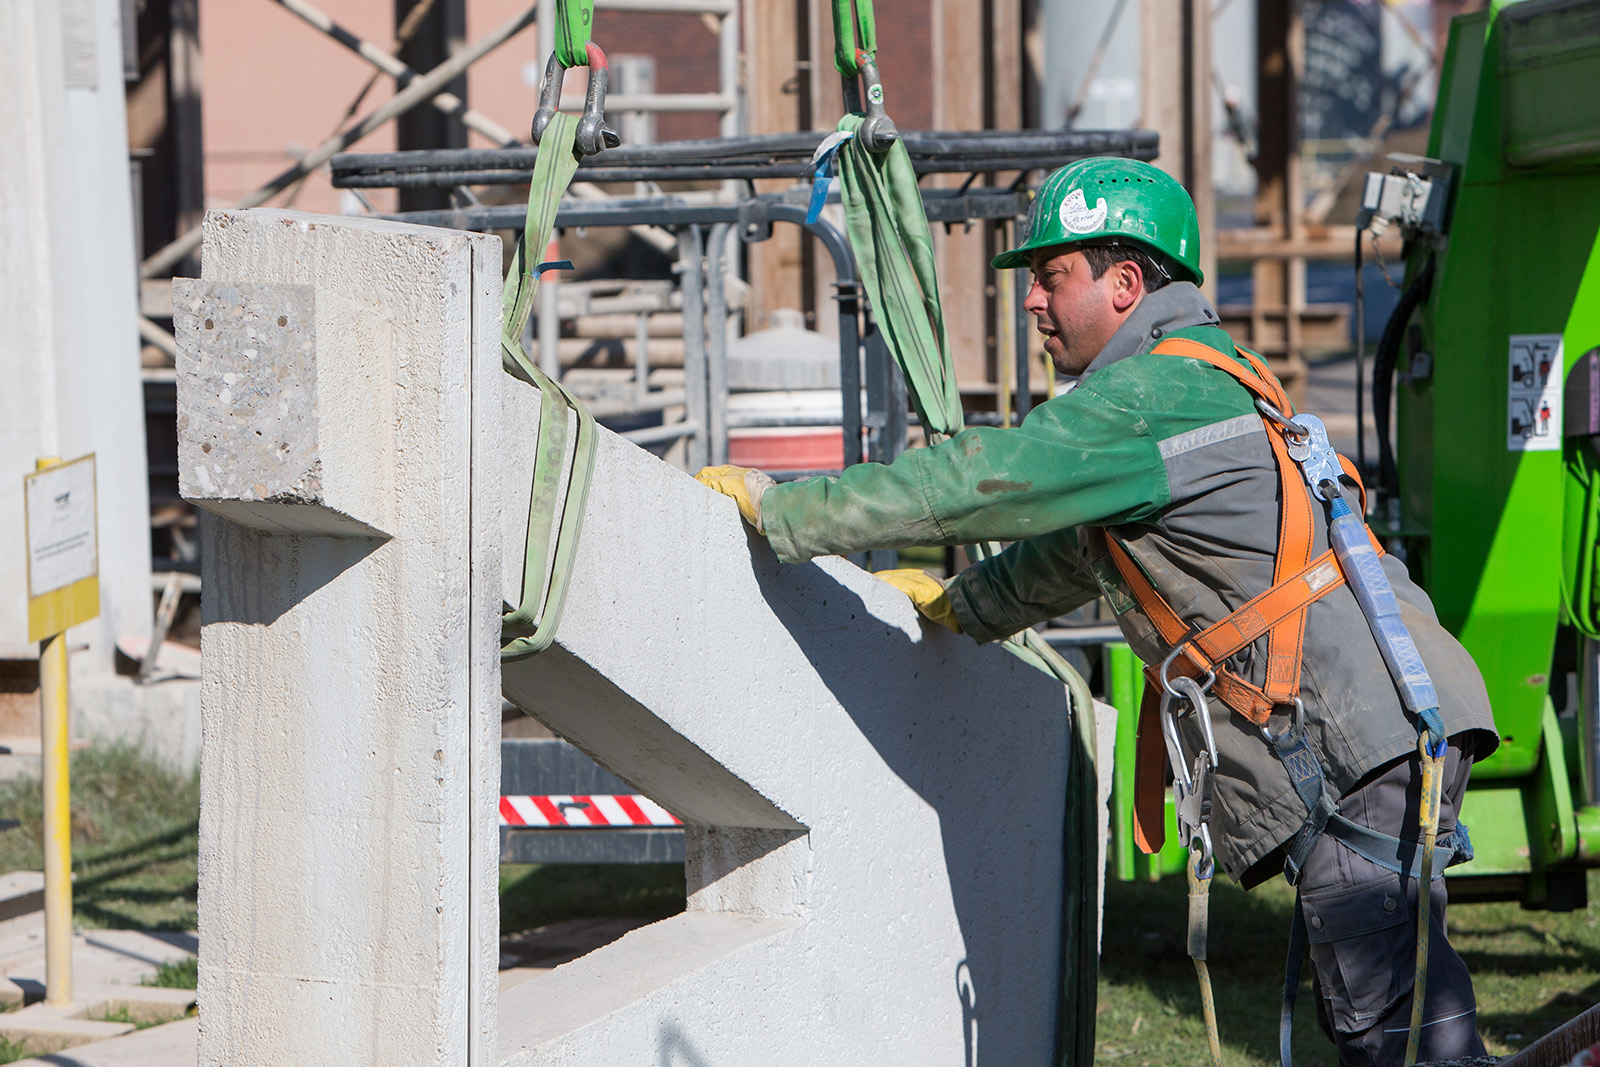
(1107, 200)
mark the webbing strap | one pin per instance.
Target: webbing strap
(888, 229)
(1299, 942)
(844, 34)
(573, 21)
(1398, 855)
(1432, 784)
(1286, 641)
(531, 627)
(1199, 927)
(1300, 760)
(1206, 652)
(893, 246)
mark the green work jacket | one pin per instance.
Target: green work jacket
(1169, 456)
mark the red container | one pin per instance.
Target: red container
(784, 448)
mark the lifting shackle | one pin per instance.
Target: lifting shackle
(593, 133)
(878, 131)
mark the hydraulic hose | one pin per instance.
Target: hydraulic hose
(1361, 360)
(1383, 367)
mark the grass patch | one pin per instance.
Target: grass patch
(135, 838)
(534, 894)
(125, 1015)
(1532, 971)
(12, 1051)
(176, 974)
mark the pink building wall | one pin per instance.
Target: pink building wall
(275, 87)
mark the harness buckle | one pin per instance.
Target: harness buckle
(1296, 725)
(593, 133)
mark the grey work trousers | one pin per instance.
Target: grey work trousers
(1361, 920)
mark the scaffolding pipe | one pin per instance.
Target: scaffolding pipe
(728, 69)
(691, 251)
(717, 345)
(450, 104)
(671, 431)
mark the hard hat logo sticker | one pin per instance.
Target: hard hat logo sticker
(1076, 215)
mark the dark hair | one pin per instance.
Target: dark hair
(1158, 270)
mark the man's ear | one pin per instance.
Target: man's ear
(1127, 287)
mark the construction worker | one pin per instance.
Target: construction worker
(1163, 459)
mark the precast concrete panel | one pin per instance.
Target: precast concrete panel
(338, 380)
(874, 805)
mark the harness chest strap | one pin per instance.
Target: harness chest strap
(1279, 612)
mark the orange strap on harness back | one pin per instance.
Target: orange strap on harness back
(1279, 613)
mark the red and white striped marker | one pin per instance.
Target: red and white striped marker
(584, 812)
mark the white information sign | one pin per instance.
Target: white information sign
(62, 546)
(1533, 393)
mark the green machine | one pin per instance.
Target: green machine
(1495, 358)
(1490, 490)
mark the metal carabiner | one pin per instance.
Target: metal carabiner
(1191, 782)
(878, 130)
(1291, 429)
(593, 133)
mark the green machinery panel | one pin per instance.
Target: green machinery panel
(1483, 447)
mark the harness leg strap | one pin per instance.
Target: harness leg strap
(1299, 941)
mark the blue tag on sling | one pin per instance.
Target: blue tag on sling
(822, 159)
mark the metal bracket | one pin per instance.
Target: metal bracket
(755, 221)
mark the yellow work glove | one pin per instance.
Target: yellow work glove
(744, 484)
(926, 593)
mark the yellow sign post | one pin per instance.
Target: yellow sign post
(63, 590)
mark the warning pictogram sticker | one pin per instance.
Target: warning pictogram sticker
(1533, 393)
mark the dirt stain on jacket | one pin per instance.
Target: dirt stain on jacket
(996, 486)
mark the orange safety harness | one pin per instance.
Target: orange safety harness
(1279, 613)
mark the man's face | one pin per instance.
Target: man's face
(1076, 312)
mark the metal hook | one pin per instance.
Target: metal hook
(1191, 781)
(593, 133)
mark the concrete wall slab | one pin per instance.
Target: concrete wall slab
(349, 704)
(891, 791)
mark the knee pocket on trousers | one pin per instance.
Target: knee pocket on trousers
(1363, 945)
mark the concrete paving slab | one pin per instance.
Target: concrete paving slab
(173, 1045)
(101, 959)
(21, 892)
(141, 1004)
(44, 1030)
